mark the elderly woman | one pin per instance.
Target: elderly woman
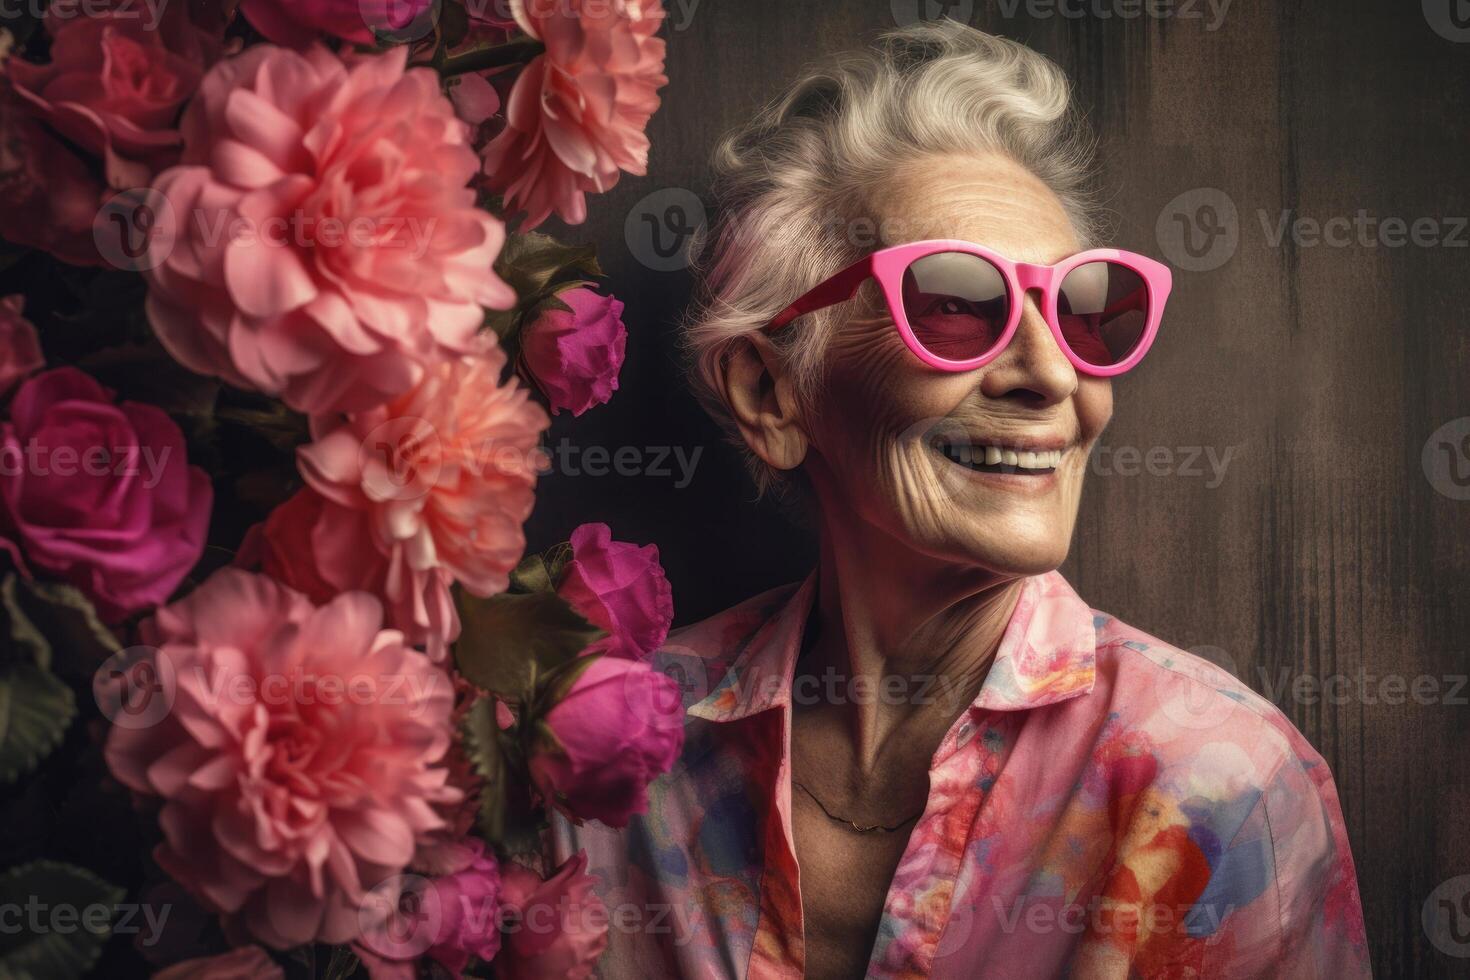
(931, 758)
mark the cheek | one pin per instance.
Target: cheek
(876, 397)
(1094, 401)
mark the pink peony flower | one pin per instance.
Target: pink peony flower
(577, 113)
(299, 22)
(428, 490)
(621, 588)
(574, 354)
(554, 928)
(299, 762)
(325, 248)
(99, 494)
(244, 963)
(619, 727)
(20, 348)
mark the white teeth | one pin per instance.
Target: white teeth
(1025, 459)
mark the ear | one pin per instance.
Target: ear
(762, 400)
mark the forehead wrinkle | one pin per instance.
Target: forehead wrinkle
(989, 200)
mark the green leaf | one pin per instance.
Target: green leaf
(531, 575)
(343, 963)
(35, 710)
(25, 638)
(535, 264)
(70, 899)
(75, 639)
(483, 748)
(508, 641)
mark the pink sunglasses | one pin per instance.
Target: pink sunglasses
(957, 304)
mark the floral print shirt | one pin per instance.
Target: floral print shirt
(1108, 806)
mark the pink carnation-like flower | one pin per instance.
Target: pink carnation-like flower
(325, 248)
(428, 490)
(577, 113)
(20, 348)
(112, 90)
(574, 354)
(299, 22)
(98, 494)
(299, 762)
(619, 727)
(554, 928)
(621, 588)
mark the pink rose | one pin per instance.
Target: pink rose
(325, 246)
(574, 355)
(299, 22)
(427, 490)
(554, 928)
(113, 87)
(245, 963)
(621, 588)
(618, 728)
(300, 760)
(20, 348)
(577, 113)
(99, 494)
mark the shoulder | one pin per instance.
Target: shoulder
(1257, 799)
(1189, 702)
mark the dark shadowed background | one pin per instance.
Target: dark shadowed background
(1286, 486)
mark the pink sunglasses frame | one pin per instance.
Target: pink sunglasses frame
(887, 267)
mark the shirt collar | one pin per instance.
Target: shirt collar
(1047, 654)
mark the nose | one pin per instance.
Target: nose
(1032, 369)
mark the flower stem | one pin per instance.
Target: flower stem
(517, 51)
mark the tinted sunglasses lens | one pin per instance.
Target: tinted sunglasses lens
(956, 304)
(1103, 308)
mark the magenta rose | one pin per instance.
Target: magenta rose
(112, 90)
(299, 22)
(553, 928)
(99, 494)
(114, 87)
(574, 354)
(621, 588)
(20, 348)
(619, 727)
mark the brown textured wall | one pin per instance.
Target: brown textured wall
(1322, 548)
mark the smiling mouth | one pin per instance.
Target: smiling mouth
(1000, 459)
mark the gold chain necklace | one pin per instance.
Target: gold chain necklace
(857, 827)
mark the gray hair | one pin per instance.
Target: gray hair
(791, 184)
